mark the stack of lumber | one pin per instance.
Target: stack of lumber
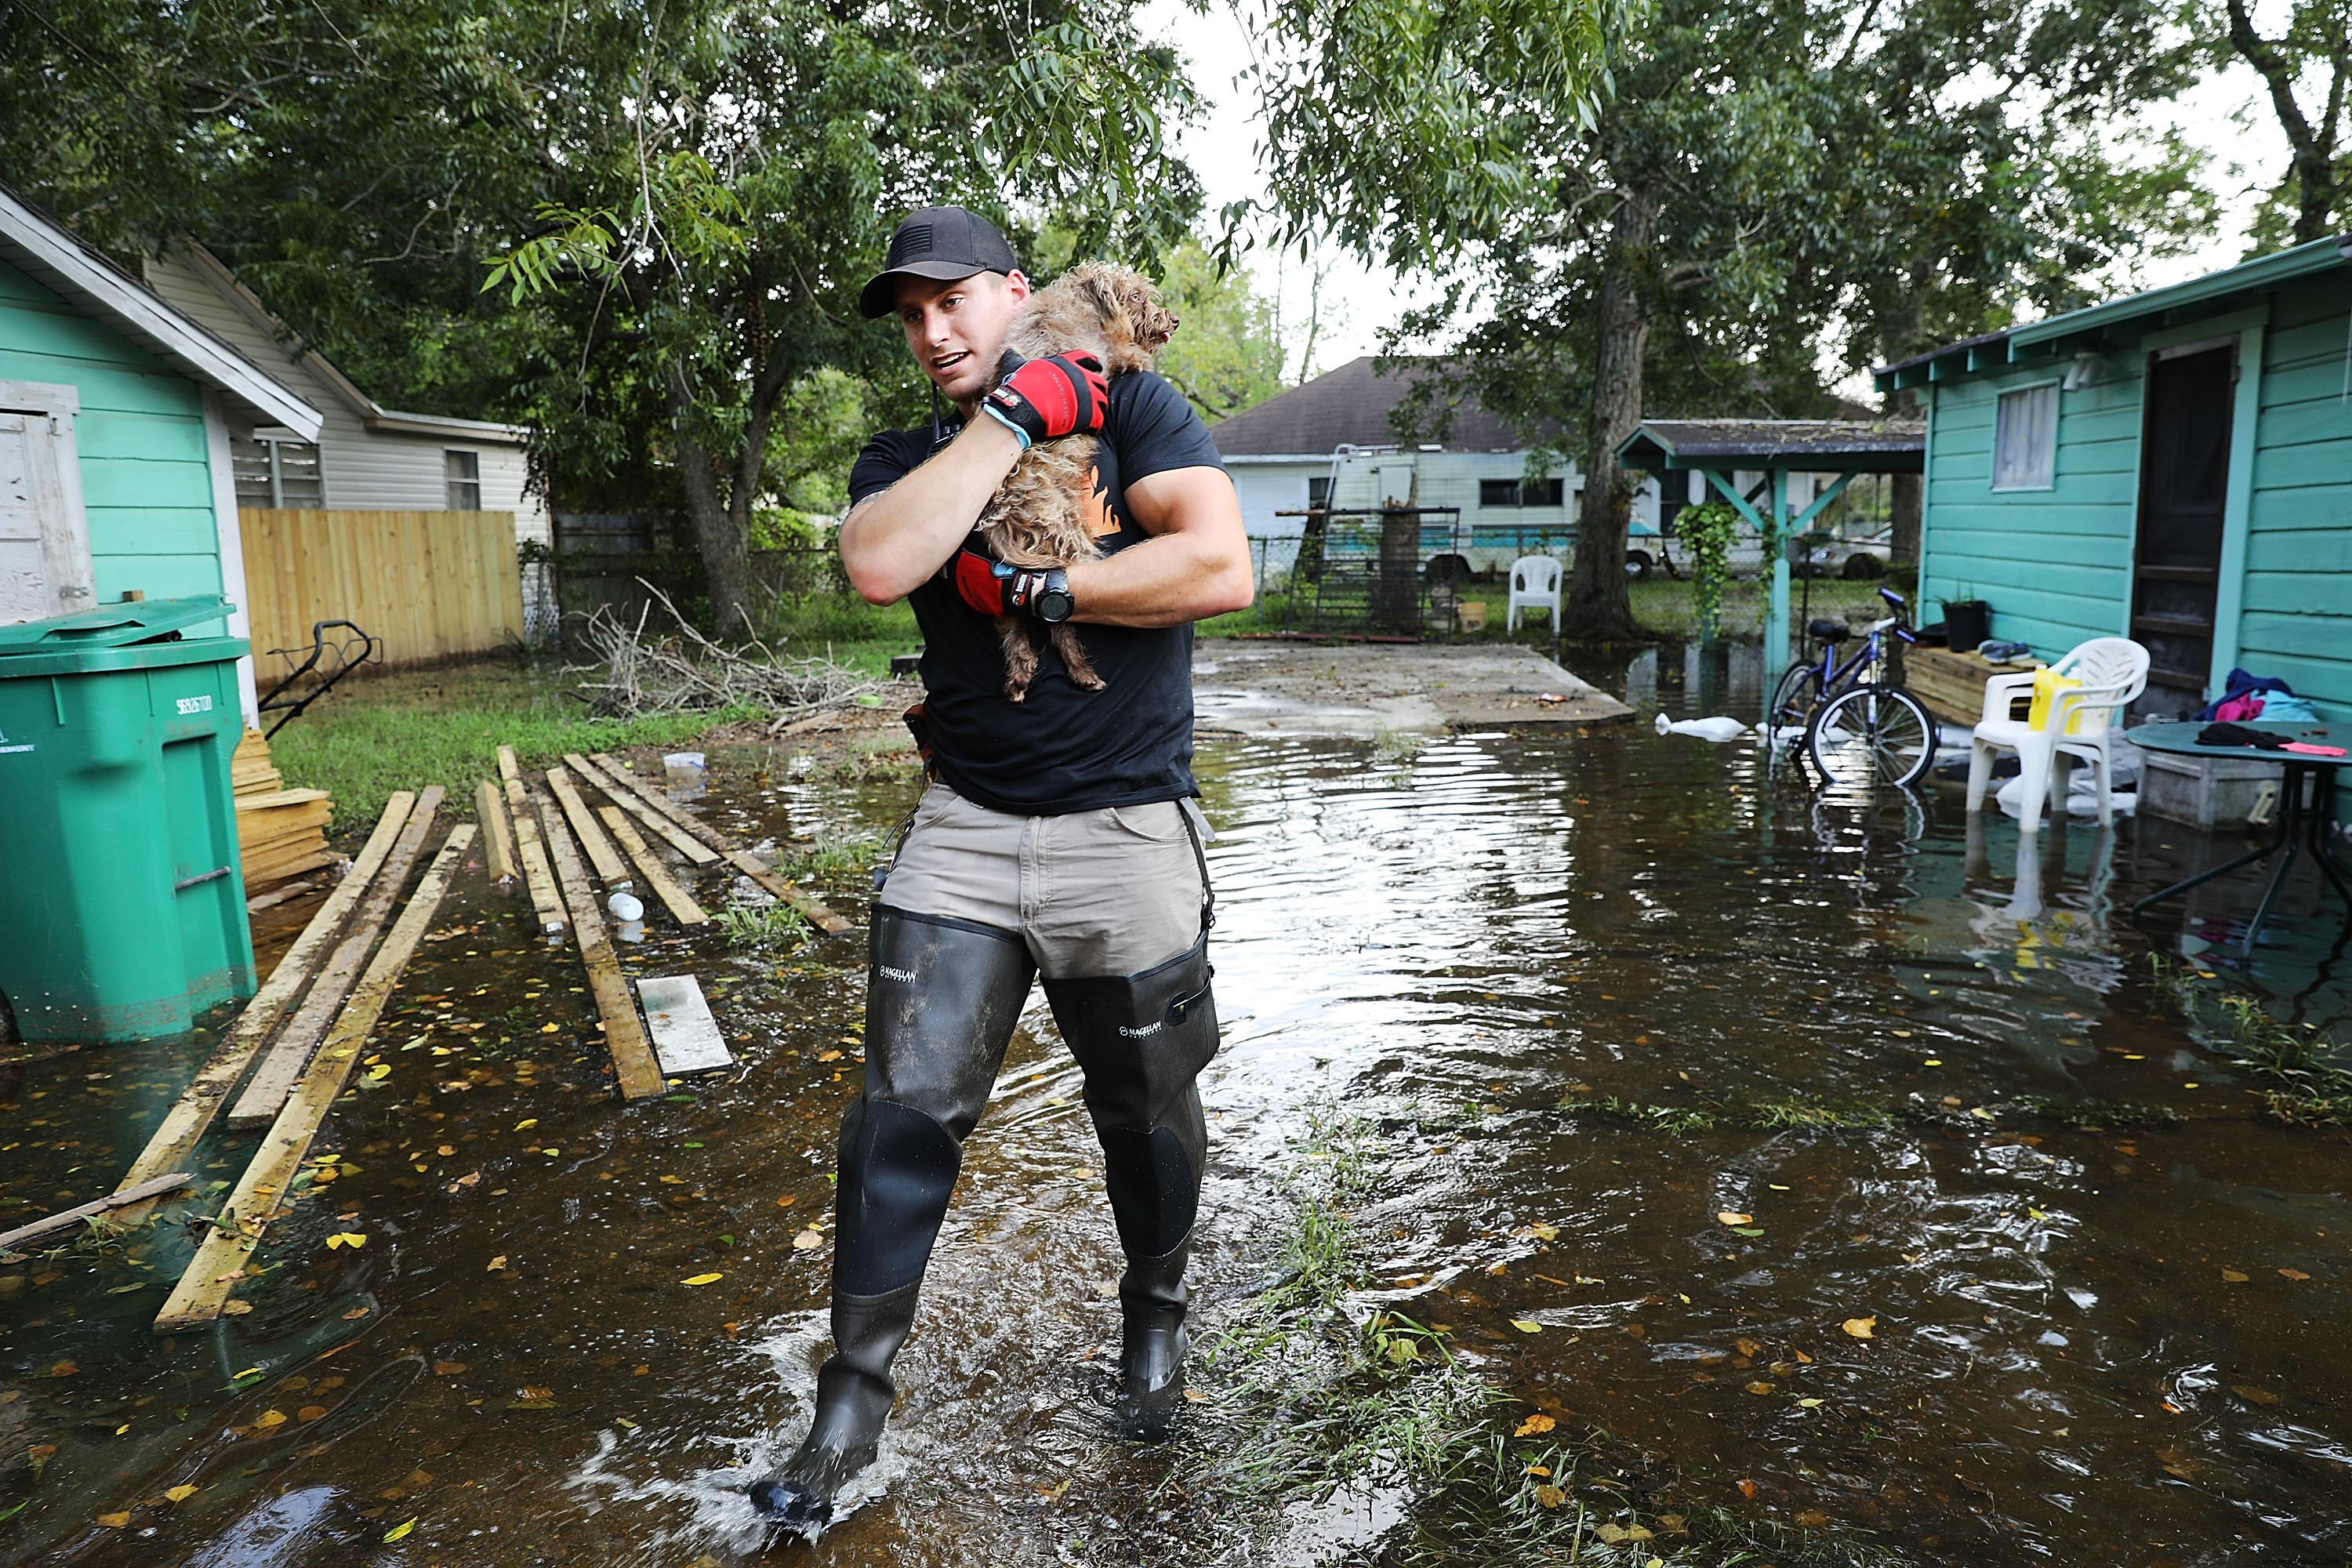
(280, 832)
(1952, 683)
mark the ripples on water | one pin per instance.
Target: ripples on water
(1447, 941)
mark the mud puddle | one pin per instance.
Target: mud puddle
(1575, 1005)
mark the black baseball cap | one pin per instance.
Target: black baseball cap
(937, 243)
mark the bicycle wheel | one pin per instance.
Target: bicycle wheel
(1800, 692)
(1872, 735)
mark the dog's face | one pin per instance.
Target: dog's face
(1137, 302)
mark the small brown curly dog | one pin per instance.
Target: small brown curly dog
(1038, 517)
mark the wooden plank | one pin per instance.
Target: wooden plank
(686, 1037)
(536, 874)
(175, 1138)
(154, 1188)
(219, 1261)
(681, 903)
(498, 839)
(634, 1066)
(685, 843)
(810, 906)
(267, 1089)
(611, 869)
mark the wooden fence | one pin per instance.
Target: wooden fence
(432, 585)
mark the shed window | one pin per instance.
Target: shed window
(274, 472)
(1318, 491)
(2025, 438)
(464, 471)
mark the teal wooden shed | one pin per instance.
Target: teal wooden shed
(115, 474)
(2175, 467)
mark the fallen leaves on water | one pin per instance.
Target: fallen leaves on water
(703, 1278)
(2177, 1462)
(1728, 1217)
(1860, 1328)
(1812, 1519)
(182, 1492)
(828, 1056)
(2293, 1274)
(2234, 1276)
(1759, 1387)
(235, 1308)
(1748, 1489)
(808, 1241)
(531, 1397)
(1534, 1424)
(378, 1073)
(1810, 1403)
(346, 1238)
(786, 1200)
(404, 1526)
(1621, 1534)
(1749, 1347)
(1549, 1496)
(2253, 1396)
(268, 1419)
(448, 1368)
(495, 1264)
(1527, 1325)
(310, 1412)
(115, 1520)
(63, 1369)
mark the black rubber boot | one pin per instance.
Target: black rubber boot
(854, 1395)
(1142, 1040)
(943, 999)
(1152, 1346)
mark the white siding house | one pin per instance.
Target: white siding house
(366, 457)
(1332, 437)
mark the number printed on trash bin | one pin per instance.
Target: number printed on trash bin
(196, 704)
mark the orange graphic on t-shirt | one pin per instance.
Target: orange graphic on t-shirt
(1100, 521)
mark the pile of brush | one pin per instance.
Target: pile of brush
(639, 670)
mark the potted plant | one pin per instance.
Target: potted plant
(1967, 621)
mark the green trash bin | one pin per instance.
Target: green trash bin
(121, 901)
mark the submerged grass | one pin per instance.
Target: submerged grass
(1312, 1398)
(764, 928)
(2306, 1082)
(1800, 1113)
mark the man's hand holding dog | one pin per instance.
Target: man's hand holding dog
(1045, 399)
(993, 588)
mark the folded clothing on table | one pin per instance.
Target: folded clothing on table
(2262, 740)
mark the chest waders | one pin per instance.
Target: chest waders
(943, 997)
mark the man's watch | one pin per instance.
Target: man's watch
(1054, 604)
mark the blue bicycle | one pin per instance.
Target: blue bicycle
(1858, 724)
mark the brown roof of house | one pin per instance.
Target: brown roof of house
(1350, 406)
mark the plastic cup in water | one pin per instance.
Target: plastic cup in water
(626, 907)
(685, 768)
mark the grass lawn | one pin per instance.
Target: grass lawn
(846, 629)
(407, 728)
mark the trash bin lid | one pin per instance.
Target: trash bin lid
(112, 626)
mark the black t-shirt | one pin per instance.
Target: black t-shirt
(1062, 749)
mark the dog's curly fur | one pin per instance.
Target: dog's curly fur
(1038, 516)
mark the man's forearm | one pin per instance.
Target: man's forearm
(1170, 581)
(891, 542)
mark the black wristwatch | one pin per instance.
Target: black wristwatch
(1053, 604)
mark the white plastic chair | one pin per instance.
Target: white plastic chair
(2112, 670)
(1535, 585)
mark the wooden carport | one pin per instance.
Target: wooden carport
(1721, 448)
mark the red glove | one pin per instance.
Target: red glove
(1064, 395)
(993, 589)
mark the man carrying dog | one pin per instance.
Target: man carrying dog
(1058, 838)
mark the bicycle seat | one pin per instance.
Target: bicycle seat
(1827, 631)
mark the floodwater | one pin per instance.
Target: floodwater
(2097, 1334)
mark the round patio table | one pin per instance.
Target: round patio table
(2301, 825)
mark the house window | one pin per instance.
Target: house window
(277, 471)
(2025, 438)
(1499, 492)
(464, 471)
(1541, 492)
